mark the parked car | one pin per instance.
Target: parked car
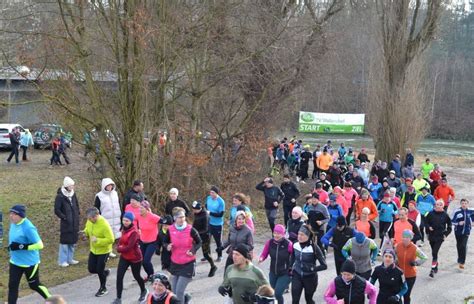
(44, 134)
(5, 130)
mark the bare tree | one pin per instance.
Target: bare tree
(397, 94)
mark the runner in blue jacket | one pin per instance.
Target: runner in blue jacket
(24, 244)
(462, 221)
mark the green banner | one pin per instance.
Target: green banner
(331, 123)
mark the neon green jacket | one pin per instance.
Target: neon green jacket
(102, 231)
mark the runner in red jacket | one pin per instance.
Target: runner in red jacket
(130, 256)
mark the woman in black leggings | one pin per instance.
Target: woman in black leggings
(438, 225)
(131, 256)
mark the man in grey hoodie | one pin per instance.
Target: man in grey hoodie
(318, 217)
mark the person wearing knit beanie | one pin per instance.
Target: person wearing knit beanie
(392, 283)
(348, 287)
(66, 208)
(349, 267)
(24, 244)
(129, 215)
(67, 182)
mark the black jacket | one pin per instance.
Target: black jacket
(441, 224)
(201, 224)
(291, 191)
(68, 211)
(273, 194)
(14, 139)
(390, 279)
(177, 203)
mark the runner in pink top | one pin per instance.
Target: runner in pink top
(351, 195)
(134, 207)
(341, 200)
(148, 228)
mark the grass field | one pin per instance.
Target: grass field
(34, 184)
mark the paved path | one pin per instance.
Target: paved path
(449, 286)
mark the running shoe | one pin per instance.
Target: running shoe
(73, 262)
(143, 296)
(212, 272)
(431, 273)
(461, 266)
(101, 292)
(64, 264)
(112, 255)
(117, 301)
(203, 260)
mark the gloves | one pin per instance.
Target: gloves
(158, 251)
(290, 272)
(414, 263)
(17, 246)
(223, 291)
(394, 299)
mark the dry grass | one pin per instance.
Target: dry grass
(35, 184)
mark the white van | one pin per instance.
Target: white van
(5, 130)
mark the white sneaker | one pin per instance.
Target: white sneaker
(112, 255)
(64, 264)
(73, 262)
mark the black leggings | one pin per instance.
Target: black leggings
(97, 265)
(410, 283)
(32, 275)
(461, 246)
(383, 228)
(435, 246)
(206, 249)
(308, 283)
(422, 227)
(122, 268)
(216, 233)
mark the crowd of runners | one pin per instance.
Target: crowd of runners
(373, 219)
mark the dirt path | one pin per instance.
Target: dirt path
(449, 286)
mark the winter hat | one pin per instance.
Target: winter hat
(174, 190)
(338, 189)
(68, 182)
(279, 229)
(129, 215)
(332, 197)
(407, 234)
(391, 252)
(163, 279)
(19, 209)
(386, 194)
(243, 250)
(145, 204)
(425, 188)
(196, 205)
(137, 197)
(166, 220)
(341, 221)
(323, 173)
(408, 180)
(392, 172)
(215, 189)
(305, 230)
(360, 237)
(318, 186)
(240, 213)
(348, 266)
(298, 210)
